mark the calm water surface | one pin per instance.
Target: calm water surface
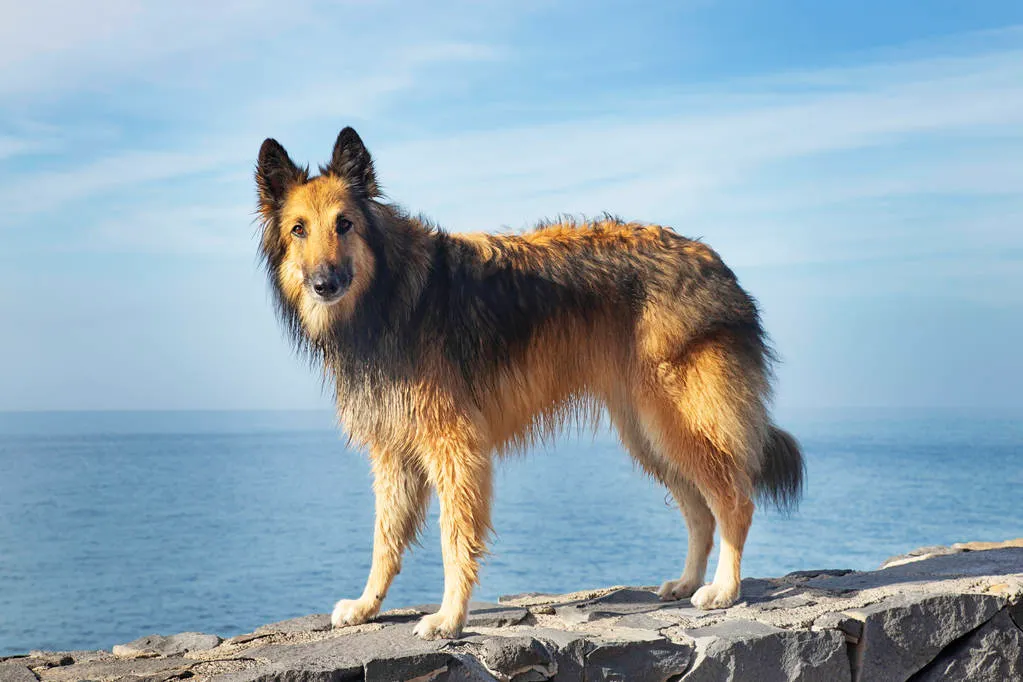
(116, 525)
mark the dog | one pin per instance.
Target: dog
(448, 349)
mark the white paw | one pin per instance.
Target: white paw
(438, 626)
(678, 589)
(352, 612)
(715, 596)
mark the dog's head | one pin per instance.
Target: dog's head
(315, 231)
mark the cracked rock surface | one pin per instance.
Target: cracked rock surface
(934, 614)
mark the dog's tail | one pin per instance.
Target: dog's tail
(780, 480)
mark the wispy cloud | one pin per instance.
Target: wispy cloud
(746, 153)
(677, 164)
(53, 48)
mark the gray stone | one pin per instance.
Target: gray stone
(818, 573)
(42, 659)
(618, 603)
(749, 650)
(1016, 613)
(377, 654)
(422, 667)
(847, 625)
(484, 614)
(250, 637)
(991, 653)
(623, 661)
(902, 634)
(13, 671)
(120, 669)
(919, 553)
(642, 621)
(312, 623)
(159, 645)
(526, 595)
(468, 669)
(1006, 561)
(514, 658)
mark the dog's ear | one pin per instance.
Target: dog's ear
(352, 162)
(275, 173)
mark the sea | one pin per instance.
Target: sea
(115, 525)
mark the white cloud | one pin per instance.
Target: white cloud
(719, 161)
(672, 164)
(51, 48)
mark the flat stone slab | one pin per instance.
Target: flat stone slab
(314, 623)
(13, 671)
(152, 646)
(940, 614)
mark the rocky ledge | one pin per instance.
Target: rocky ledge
(939, 613)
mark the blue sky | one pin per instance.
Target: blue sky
(860, 165)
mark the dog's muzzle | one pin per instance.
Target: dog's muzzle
(328, 284)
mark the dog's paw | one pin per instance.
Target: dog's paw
(714, 596)
(678, 589)
(438, 626)
(352, 612)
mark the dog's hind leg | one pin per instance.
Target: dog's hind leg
(705, 413)
(700, 523)
(719, 488)
(402, 496)
(698, 517)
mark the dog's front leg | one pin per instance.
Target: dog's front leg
(461, 472)
(402, 495)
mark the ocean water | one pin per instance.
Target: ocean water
(117, 525)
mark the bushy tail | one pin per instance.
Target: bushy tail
(781, 474)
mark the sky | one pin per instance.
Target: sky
(858, 164)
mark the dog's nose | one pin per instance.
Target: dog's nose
(325, 283)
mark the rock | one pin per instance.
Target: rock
(44, 659)
(656, 660)
(974, 546)
(620, 602)
(120, 669)
(931, 568)
(517, 658)
(991, 653)
(377, 654)
(750, 650)
(1016, 613)
(483, 614)
(827, 572)
(158, 645)
(642, 621)
(902, 634)
(949, 614)
(13, 671)
(918, 554)
(423, 667)
(314, 623)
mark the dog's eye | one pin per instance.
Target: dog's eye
(343, 224)
(298, 230)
